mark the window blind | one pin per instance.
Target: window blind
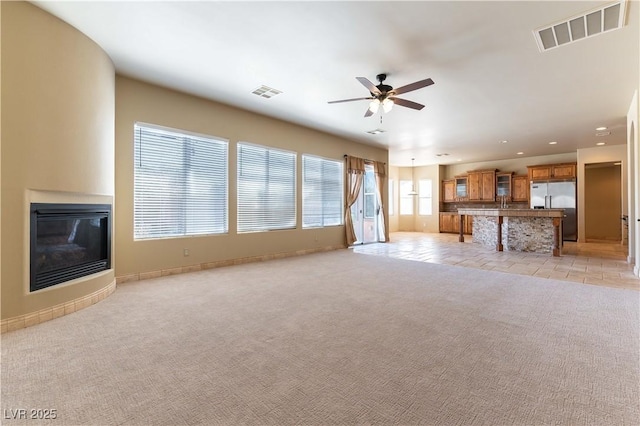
(266, 188)
(180, 183)
(322, 192)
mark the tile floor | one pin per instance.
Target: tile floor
(596, 263)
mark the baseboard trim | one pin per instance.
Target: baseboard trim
(57, 311)
(220, 263)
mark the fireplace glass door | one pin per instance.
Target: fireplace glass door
(68, 241)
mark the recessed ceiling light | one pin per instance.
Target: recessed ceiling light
(519, 153)
(553, 143)
(601, 128)
(601, 143)
(504, 141)
(459, 159)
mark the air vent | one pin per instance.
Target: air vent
(597, 21)
(375, 132)
(266, 92)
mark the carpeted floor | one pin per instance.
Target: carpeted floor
(334, 338)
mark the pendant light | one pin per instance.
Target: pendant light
(413, 180)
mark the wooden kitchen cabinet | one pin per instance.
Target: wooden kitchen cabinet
(482, 185)
(520, 188)
(450, 222)
(503, 185)
(468, 224)
(552, 171)
(563, 171)
(449, 191)
(539, 173)
(462, 193)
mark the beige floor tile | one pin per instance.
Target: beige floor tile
(595, 263)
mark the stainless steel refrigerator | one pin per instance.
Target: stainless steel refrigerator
(558, 195)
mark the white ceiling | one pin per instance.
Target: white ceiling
(491, 82)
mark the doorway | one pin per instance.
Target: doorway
(603, 202)
(365, 212)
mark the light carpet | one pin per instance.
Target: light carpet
(334, 338)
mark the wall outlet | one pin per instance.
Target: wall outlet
(186, 252)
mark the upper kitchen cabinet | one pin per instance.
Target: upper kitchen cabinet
(455, 190)
(503, 185)
(482, 185)
(462, 193)
(552, 171)
(520, 188)
(449, 191)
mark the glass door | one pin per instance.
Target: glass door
(365, 212)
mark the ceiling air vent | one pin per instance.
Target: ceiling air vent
(375, 132)
(597, 21)
(266, 92)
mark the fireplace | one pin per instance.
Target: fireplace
(68, 241)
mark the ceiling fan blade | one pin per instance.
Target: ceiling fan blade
(369, 113)
(413, 86)
(406, 103)
(350, 100)
(369, 85)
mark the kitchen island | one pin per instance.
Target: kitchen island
(529, 230)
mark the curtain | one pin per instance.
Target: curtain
(380, 171)
(355, 176)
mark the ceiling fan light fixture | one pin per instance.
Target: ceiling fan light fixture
(374, 105)
(387, 104)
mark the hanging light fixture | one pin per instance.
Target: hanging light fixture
(387, 104)
(413, 180)
(374, 105)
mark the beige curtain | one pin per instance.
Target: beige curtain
(380, 171)
(355, 176)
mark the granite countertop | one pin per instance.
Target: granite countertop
(512, 212)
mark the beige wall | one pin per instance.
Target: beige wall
(394, 219)
(57, 140)
(603, 203)
(631, 203)
(140, 102)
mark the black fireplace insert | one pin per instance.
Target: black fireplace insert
(68, 241)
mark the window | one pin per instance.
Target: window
(425, 188)
(406, 200)
(369, 193)
(180, 183)
(391, 200)
(266, 188)
(322, 192)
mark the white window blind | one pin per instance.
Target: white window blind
(425, 188)
(266, 188)
(406, 200)
(322, 192)
(180, 183)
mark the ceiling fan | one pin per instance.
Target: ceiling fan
(385, 95)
